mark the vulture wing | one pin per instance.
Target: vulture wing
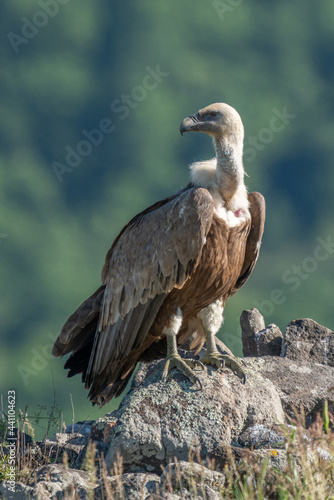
(258, 213)
(156, 251)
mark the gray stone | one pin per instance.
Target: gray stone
(83, 428)
(158, 421)
(48, 450)
(22, 491)
(257, 340)
(101, 429)
(56, 481)
(176, 428)
(130, 486)
(306, 340)
(299, 384)
(277, 458)
(192, 480)
(67, 438)
(260, 436)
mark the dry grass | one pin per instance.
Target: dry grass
(308, 473)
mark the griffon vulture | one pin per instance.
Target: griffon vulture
(170, 271)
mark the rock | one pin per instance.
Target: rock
(269, 341)
(158, 421)
(83, 428)
(44, 451)
(56, 481)
(251, 321)
(164, 439)
(259, 436)
(192, 480)
(277, 458)
(22, 491)
(257, 340)
(299, 384)
(66, 438)
(306, 340)
(134, 486)
(101, 429)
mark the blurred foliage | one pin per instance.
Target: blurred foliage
(67, 65)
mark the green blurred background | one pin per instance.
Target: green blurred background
(71, 66)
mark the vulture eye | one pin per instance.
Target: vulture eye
(213, 113)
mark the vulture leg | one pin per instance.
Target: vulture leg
(212, 318)
(173, 359)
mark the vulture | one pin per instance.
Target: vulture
(169, 272)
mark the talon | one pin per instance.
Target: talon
(200, 364)
(199, 383)
(222, 360)
(166, 368)
(174, 360)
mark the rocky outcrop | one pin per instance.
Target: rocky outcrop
(257, 340)
(172, 437)
(306, 340)
(300, 386)
(158, 421)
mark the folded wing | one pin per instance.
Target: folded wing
(157, 251)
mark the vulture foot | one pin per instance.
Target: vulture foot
(222, 360)
(185, 365)
(173, 359)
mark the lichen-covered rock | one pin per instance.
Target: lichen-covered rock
(306, 340)
(191, 480)
(164, 438)
(299, 384)
(158, 421)
(57, 481)
(260, 436)
(102, 427)
(257, 340)
(133, 486)
(251, 322)
(22, 491)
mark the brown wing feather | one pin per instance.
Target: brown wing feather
(116, 341)
(156, 251)
(257, 209)
(77, 327)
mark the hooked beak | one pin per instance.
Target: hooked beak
(189, 124)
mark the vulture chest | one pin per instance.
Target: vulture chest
(218, 270)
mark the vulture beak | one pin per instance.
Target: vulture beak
(190, 124)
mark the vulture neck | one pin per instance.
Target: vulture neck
(230, 171)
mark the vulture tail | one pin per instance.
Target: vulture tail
(106, 359)
(117, 349)
(102, 394)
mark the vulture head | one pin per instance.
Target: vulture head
(218, 120)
